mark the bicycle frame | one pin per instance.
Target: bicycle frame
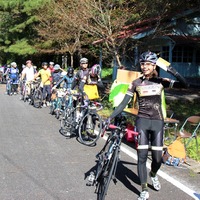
(82, 120)
(108, 159)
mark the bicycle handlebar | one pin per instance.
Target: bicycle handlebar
(113, 127)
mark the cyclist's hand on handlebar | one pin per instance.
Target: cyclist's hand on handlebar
(107, 123)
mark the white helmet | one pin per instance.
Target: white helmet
(13, 64)
(56, 67)
(83, 60)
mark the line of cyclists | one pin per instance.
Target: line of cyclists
(54, 82)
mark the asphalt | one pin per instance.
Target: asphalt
(19, 146)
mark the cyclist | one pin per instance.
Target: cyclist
(149, 121)
(45, 83)
(80, 76)
(28, 73)
(56, 75)
(94, 77)
(51, 68)
(67, 78)
(65, 85)
(13, 74)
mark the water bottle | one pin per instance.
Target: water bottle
(91, 179)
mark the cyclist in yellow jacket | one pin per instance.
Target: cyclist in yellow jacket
(45, 75)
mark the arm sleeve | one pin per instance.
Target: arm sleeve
(121, 106)
(81, 86)
(181, 80)
(59, 82)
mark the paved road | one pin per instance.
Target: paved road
(38, 163)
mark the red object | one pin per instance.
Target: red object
(131, 134)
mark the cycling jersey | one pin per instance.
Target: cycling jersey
(45, 76)
(67, 82)
(55, 77)
(14, 75)
(149, 96)
(29, 73)
(80, 79)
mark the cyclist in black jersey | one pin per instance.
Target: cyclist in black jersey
(80, 76)
(149, 121)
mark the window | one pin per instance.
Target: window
(198, 56)
(165, 52)
(182, 54)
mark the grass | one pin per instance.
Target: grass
(182, 110)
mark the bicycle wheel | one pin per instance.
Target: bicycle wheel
(57, 113)
(106, 176)
(52, 108)
(66, 122)
(90, 128)
(8, 88)
(37, 98)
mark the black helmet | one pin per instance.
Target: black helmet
(70, 71)
(148, 57)
(44, 64)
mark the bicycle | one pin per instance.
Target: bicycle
(107, 160)
(37, 95)
(56, 104)
(24, 89)
(8, 86)
(83, 119)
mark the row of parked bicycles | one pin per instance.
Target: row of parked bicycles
(81, 120)
(77, 117)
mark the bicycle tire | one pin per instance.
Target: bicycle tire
(24, 93)
(57, 113)
(66, 122)
(8, 88)
(52, 108)
(37, 98)
(106, 176)
(90, 128)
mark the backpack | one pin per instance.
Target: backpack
(175, 154)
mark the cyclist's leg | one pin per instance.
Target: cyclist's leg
(44, 94)
(157, 147)
(143, 125)
(28, 90)
(48, 97)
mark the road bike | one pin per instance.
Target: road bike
(107, 160)
(57, 105)
(36, 96)
(8, 86)
(82, 120)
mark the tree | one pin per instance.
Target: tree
(55, 28)
(16, 26)
(103, 21)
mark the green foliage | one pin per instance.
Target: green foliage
(21, 47)
(106, 72)
(17, 26)
(184, 108)
(192, 151)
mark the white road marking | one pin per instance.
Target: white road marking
(162, 174)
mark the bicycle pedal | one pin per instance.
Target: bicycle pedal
(114, 180)
(89, 184)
